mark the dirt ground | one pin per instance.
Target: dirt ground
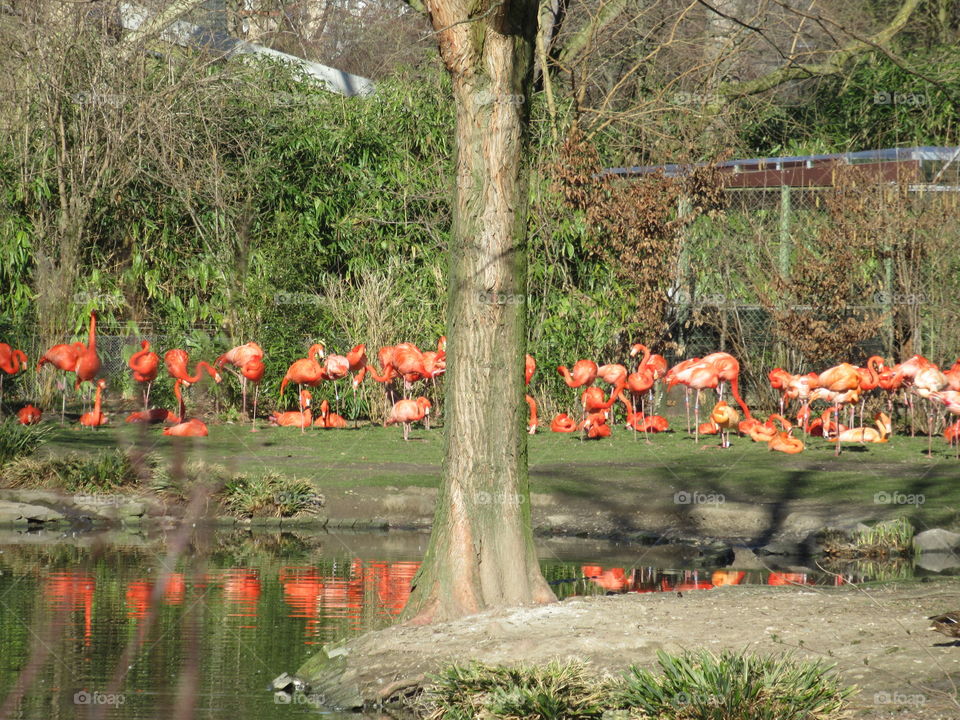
(877, 637)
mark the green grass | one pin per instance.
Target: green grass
(689, 686)
(613, 473)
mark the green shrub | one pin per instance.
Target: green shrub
(729, 686)
(561, 690)
(270, 494)
(17, 440)
(78, 472)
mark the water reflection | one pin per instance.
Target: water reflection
(262, 604)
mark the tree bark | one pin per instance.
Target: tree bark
(481, 551)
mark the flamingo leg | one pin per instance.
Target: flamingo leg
(686, 401)
(256, 394)
(837, 413)
(1, 393)
(930, 433)
(406, 432)
(243, 394)
(63, 406)
(643, 415)
(696, 418)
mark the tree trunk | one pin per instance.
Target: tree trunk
(481, 551)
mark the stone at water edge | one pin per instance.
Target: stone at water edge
(288, 683)
(936, 540)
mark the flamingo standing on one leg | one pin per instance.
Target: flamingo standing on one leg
(253, 371)
(406, 412)
(145, 365)
(88, 362)
(63, 357)
(305, 371)
(357, 358)
(11, 362)
(95, 418)
(238, 357)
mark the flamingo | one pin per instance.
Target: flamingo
(28, 415)
(176, 363)
(88, 362)
(865, 434)
(11, 362)
(152, 416)
(189, 428)
(563, 423)
(95, 418)
(336, 368)
(680, 369)
(63, 357)
(407, 412)
(728, 370)
(239, 357)
(529, 368)
(328, 419)
(145, 365)
(595, 424)
(641, 381)
(305, 371)
(953, 376)
(839, 385)
(927, 383)
(357, 359)
(584, 373)
(302, 418)
(698, 376)
(869, 379)
(253, 371)
(725, 418)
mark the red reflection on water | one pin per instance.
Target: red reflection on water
(241, 589)
(68, 592)
(344, 594)
(786, 578)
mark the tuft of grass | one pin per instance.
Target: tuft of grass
(558, 691)
(691, 686)
(18, 440)
(79, 472)
(731, 686)
(270, 494)
(884, 540)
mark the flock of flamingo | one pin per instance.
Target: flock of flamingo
(843, 385)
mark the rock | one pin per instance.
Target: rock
(286, 683)
(937, 561)
(936, 540)
(745, 559)
(779, 548)
(17, 513)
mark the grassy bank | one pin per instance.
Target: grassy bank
(615, 475)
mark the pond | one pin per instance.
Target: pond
(87, 629)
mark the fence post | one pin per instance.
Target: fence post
(684, 295)
(786, 246)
